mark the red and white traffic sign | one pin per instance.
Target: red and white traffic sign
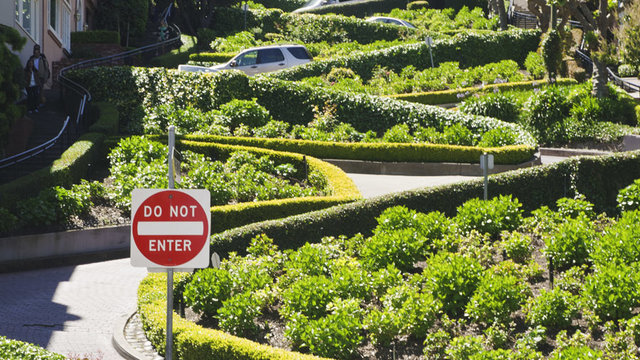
(170, 228)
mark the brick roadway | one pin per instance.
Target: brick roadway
(70, 310)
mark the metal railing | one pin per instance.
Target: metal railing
(587, 63)
(12, 160)
(83, 97)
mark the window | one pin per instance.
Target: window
(299, 53)
(270, 55)
(53, 14)
(24, 15)
(248, 58)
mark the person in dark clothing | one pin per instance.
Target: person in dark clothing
(33, 86)
(41, 64)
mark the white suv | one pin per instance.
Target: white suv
(260, 60)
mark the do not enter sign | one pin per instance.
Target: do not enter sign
(170, 228)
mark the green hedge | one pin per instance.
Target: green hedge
(306, 27)
(74, 164)
(360, 9)
(340, 186)
(136, 88)
(211, 57)
(95, 37)
(469, 49)
(598, 178)
(457, 95)
(191, 341)
(107, 119)
(389, 152)
(19, 350)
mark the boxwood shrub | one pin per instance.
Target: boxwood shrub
(469, 49)
(19, 350)
(286, 101)
(597, 178)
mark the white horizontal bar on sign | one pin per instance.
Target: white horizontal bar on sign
(170, 228)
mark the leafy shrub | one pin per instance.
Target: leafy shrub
(463, 347)
(413, 311)
(552, 308)
(498, 137)
(19, 350)
(569, 244)
(403, 237)
(496, 297)
(308, 296)
(435, 344)
(8, 221)
(497, 105)
(417, 5)
(576, 353)
(338, 334)
(546, 111)
(627, 70)
(458, 134)
(573, 208)
(491, 216)
(517, 246)
(207, 291)
(246, 112)
(612, 291)
(628, 198)
(237, 314)
(452, 278)
(551, 48)
(620, 242)
(398, 134)
(534, 63)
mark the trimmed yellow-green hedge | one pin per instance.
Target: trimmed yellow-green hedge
(341, 187)
(211, 57)
(191, 341)
(457, 95)
(386, 152)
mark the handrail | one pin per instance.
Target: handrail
(84, 95)
(611, 75)
(36, 150)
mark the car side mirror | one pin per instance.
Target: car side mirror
(233, 63)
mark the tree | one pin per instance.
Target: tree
(497, 6)
(128, 17)
(198, 14)
(11, 80)
(597, 24)
(629, 34)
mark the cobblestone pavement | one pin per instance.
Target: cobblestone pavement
(69, 310)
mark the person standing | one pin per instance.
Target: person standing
(42, 67)
(32, 79)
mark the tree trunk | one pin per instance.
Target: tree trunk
(599, 79)
(504, 21)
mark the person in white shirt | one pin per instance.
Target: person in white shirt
(32, 79)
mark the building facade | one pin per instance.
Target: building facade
(48, 23)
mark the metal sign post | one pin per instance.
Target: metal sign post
(486, 163)
(170, 231)
(169, 343)
(429, 42)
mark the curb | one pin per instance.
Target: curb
(424, 169)
(126, 328)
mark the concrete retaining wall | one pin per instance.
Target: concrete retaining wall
(67, 247)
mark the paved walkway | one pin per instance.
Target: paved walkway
(70, 310)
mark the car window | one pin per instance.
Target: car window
(248, 58)
(299, 53)
(394, 22)
(270, 55)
